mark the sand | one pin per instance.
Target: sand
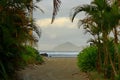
(53, 69)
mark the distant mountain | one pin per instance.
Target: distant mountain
(68, 46)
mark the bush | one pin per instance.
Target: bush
(15, 58)
(87, 59)
(30, 56)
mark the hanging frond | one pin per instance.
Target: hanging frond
(35, 28)
(36, 7)
(56, 5)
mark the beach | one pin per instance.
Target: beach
(53, 69)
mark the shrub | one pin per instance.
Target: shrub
(87, 59)
(30, 56)
(17, 58)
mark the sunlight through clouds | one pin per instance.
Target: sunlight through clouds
(59, 22)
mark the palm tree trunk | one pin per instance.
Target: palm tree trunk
(107, 55)
(105, 47)
(99, 61)
(31, 20)
(116, 54)
(113, 66)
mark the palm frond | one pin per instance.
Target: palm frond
(85, 21)
(37, 29)
(56, 5)
(36, 7)
(38, 0)
(91, 40)
(86, 8)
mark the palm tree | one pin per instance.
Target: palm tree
(115, 25)
(14, 32)
(91, 27)
(92, 22)
(100, 14)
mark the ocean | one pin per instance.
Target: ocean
(61, 53)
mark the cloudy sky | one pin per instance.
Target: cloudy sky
(62, 30)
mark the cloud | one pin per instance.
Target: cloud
(62, 30)
(43, 22)
(59, 22)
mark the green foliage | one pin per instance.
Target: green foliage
(102, 19)
(117, 77)
(31, 56)
(3, 71)
(15, 27)
(21, 58)
(87, 59)
(94, 75)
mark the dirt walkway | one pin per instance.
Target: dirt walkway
(54, 69)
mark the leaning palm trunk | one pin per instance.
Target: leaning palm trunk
(113, 66)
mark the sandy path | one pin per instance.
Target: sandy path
(54, 69)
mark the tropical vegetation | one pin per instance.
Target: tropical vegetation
(16, 38)
(16, 27)
(102, 20)
(87, 59)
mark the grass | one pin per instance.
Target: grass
(96, 76)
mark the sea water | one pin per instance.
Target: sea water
(61, 53)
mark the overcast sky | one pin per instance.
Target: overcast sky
(62, 30)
